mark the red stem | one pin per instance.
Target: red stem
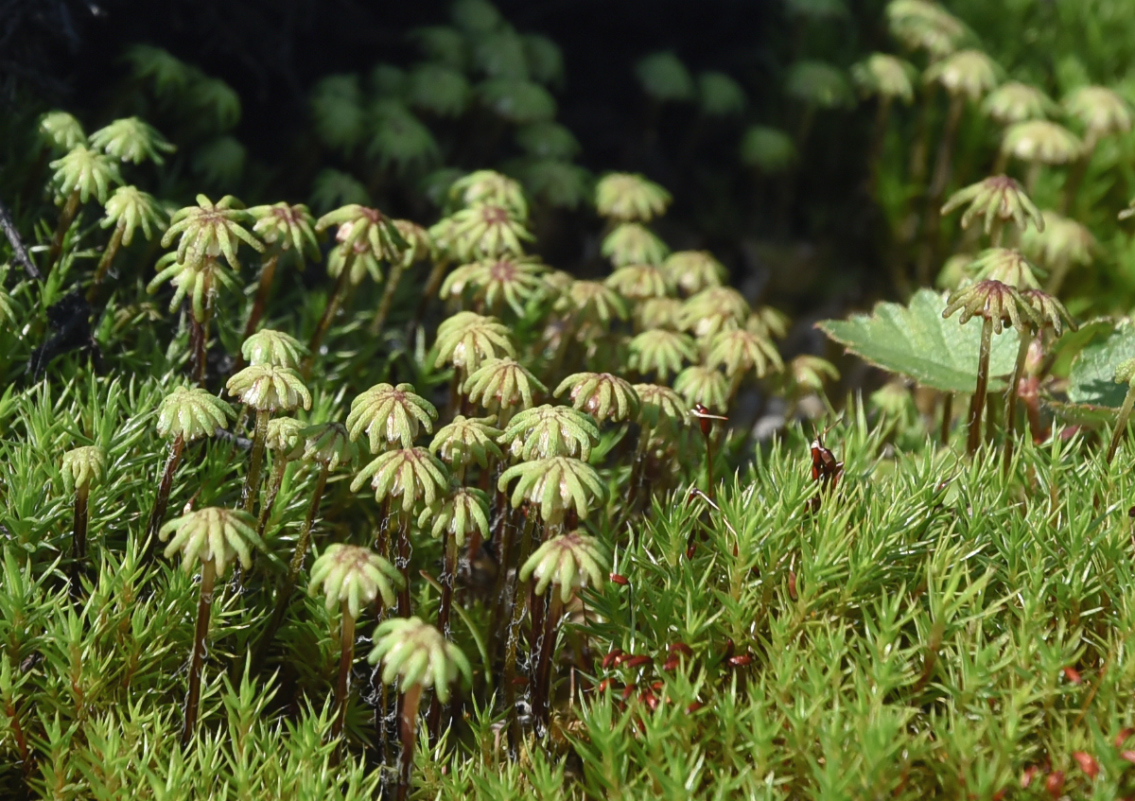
(201, 633)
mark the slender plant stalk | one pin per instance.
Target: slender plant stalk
(411, 698)
(260, 302)
(392, 280)
(201, 633)
(106, 260)
(201, 344)
(1077, 173)
(402, 562)
(79, 534)
(1121, 423)
(542, 688)
(274, 484)
(519, 596)
(346, 657)
(329, 313)
(1011, 404)
(70, 209)
(947, 417)
(256, 461)
(709, 462)
(977, 405)
(157, 516)
(1056, 279)
(943, 169)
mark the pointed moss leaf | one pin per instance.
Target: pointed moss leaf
(916, 342)
(1091, 381)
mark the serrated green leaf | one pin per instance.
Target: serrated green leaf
(915, 341)
(1091, 381)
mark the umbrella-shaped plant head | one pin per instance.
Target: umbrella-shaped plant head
(995, 200)
(664, 78)
(285, 443)
(886, 77)
(82, 468)
(412, 477)
(925, 25)
(639, 282)
(740, 350)
(269, 347)
(504, 386)
(496, 284)
(466, 339)
(691, 271)
(592, 303)
(490, 188)
(720, 95)
(1062, 243)
(80, 174)
(602, 395)
(415, 656)
(658, 313)
(390, 416)
(546, 431)
(486, 231)
(633, 243)
(630, 197)
(1101, 111)
(706, 385)
(1014, 102)
(467, 441)
(351, 577)
(556, 485)
(662, 409)
(285, 229)
(213, 537)
(712, 310)
(661, 352)
(209, 230)
(462, 515)
(61, 131)
(767, 150)
(130, 139)
(186, 414)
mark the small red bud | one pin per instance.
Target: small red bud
(691, 549)
(680, 647)
(694, 707)
(657, 686)
(1087, 763)
(629, 690)
(619, 579)
(1027, 777)
(792, 585)
(638, 661)
(519, 681)
(740, 661)
(620, 659)
(1054, 784)
(1128, 756)
(672, 663)
(650, 699)
(1122, 736)
(603, 685)
(611, 657)
(1072, 675)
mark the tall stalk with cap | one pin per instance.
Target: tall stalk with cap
(82, 467)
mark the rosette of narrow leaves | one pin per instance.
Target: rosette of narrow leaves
(691, 271)
(511, 281)
(268, 346)
(201, 281)
(592, 302)
(882, 75)
(131, 139)
(269, 388)
(211, 535)
(655, 313)
(486, 231)
(61, 131)
(466, 339)
(996, 200)
(390, 415)
(328, 445)
(661, 352)
(413, 475)
(191, 413)
(129, 209)
(464, 511)
(548, 140)
(639, 281)
(210, 229)
(490, 188)
(768, 322)
(633, 243)
(1100, 110)
(546, 431)
(84, 173)
(1049, 310)
(364, 230)
(602, 395)
(517, 101)
(556, 485)
(284, 437)
(568, 562)
(502, 385)
(1007, 265)
(1041, 142)
(630, 197)
(1014, 102)
(355, 576)
(414, 654)
(399, 141)
(336, 110)
(712, 310)
(739, 350)
(664, 77)
(818, 84)
(438, 89)
(287, 227)
(466, 441)
(705, 385)
(662, 407)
